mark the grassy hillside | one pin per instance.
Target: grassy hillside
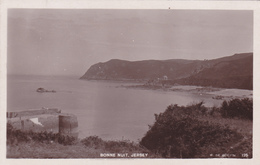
(150, 69)
(236, 73)
(49, 145)
(228, 72)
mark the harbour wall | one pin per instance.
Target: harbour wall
(49, 120)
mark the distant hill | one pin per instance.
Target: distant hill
(228, 72)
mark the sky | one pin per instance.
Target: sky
(69, 41)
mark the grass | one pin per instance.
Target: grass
(50, 145)
(42, 150)
(244, 127)
(33, 149)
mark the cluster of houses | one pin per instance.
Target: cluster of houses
(157, 81)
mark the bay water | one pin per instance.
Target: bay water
(104, 109)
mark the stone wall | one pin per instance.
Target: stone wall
(49, 120)
(33, 112)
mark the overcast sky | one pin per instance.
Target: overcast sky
(68, 42)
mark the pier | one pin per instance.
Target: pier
(45, 119)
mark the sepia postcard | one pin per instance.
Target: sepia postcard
(129, 82)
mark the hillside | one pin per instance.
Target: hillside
(229, 72)
(149, 69)
(236, 73)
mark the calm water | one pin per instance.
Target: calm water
(103, 108)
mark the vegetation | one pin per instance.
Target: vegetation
(113, 146)
(192, 131)
(228, 72)
(54, 145)
(240, 108)
(179, 132)
(15, 136)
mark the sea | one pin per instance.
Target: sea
(105, 109)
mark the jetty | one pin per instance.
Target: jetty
(44, 119)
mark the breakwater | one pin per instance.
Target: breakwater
(45, 119)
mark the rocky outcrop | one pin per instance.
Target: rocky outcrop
(42, 90)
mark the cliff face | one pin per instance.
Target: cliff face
(229, 72)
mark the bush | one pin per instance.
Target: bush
(240, 108)
(15, 136)
(93, 141)
(177, 133)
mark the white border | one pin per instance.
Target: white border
(80, 4)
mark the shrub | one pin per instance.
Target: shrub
(177, 133)
(240, 108)
(15, 136)
(93, 141)
(214, 111)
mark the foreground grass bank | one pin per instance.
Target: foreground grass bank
(49, 145)
(192, 131)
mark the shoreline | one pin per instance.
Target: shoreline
(215, 93)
